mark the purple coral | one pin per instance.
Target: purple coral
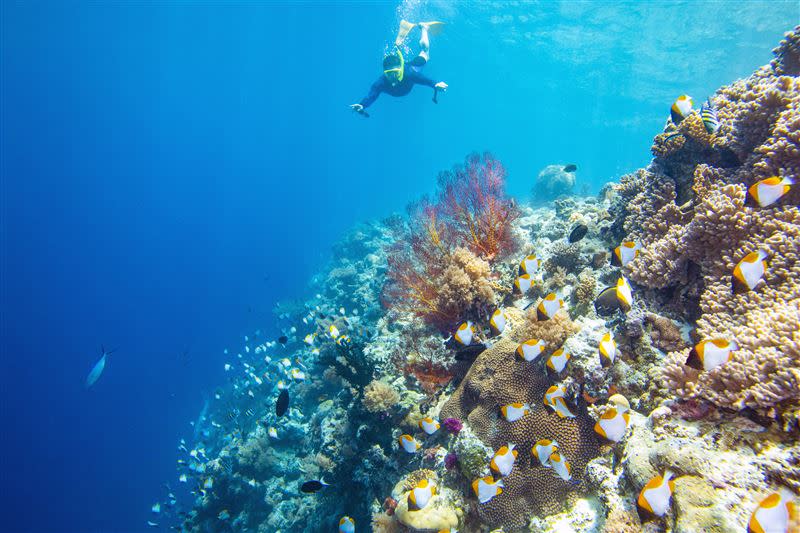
(450, 460)
(453, 425)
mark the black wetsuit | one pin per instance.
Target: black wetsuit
(411, 76)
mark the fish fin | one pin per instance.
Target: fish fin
(693, 360)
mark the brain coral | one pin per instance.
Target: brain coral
(499, 377)
(694, 225)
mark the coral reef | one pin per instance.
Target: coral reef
(499, 377)
(374, 365)
(690, 214)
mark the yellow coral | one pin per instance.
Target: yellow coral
(379, 397)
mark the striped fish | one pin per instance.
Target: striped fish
(709, 116)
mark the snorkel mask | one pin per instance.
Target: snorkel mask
(395, 74)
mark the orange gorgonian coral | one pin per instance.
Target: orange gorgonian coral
(439, 269)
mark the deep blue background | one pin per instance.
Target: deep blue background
(170, 171)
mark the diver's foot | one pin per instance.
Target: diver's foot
(434, 27)
(402, 33)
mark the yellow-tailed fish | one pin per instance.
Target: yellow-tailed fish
(531, 349)
(549, 306)
(523, 283)
(607, 350)
(774, 514)
(465, 333)
(749, 272)
(514, 411)
(428, 425)
(625, 253)
(768, 191)
(656, 494)
(530, 265)
(557, 362)
(409, 443)
(503, 460)
(487, 488)
(498, 321)
(543, 449)
(681, 108)
(421, 494)
(612, 425)
(347, 525)
(711, 353)
(561, 466)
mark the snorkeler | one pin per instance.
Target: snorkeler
(399, 76)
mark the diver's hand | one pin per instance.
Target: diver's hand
(442, 86)
(358, 108)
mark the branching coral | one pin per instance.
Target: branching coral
(458, 285)
(693, 245)
(379, 397)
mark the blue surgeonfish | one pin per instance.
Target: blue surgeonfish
(97, 369)
(421, 494)
(543, 449)
(656, 494)
(487, 488)
(768, 191)
(514, 411)
(531, 349)
(681, 108)
(749, 272)
(347, 525)
(503, 460)
(709, 116)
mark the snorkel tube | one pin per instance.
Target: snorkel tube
(398, 70)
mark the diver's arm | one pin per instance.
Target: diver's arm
(374, 92)
(420, 79)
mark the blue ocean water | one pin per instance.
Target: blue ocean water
(172, 170)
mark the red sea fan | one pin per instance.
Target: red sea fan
(472, 214)
(473, 207)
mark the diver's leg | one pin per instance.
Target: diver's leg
(427, 29)
(402, 33)
(424, 43)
